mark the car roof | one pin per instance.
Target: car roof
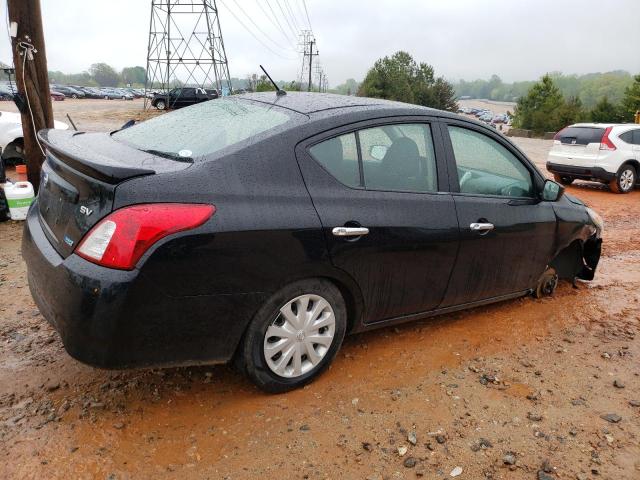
(308, 103)
(602, 125)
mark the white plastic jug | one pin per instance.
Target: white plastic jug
(20, 196)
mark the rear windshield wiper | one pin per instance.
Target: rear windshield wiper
(172, 155)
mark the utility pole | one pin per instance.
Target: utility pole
(32, 79)
(310, 61)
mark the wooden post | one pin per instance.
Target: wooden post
(33, 81)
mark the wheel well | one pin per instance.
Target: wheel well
(568, 262)
(10, 150)
(354, 310)
(634, 163)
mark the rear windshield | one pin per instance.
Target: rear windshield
(580, 135)
(202, 129)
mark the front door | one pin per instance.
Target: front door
(506, 233)
(385, 219)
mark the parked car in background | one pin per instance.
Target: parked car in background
(12, 138)
(182, 97)
(111, 94)
(262, 228)
(57, 96)
(6, 92)
(89, 92)
(67, 91)
(602, 152)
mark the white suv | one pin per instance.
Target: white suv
(603, 152)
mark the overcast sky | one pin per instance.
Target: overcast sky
(518, 40)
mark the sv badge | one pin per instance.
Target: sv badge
(85, 210)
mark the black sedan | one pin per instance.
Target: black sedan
(262, 229)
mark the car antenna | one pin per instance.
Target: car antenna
(279, 91)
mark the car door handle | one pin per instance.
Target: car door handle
(481, 227)
(350, 231)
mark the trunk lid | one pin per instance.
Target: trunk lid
(79, 180)
(579, 142)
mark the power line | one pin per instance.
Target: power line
(274, 21)
(258, 27)
(306, 11)
(253, 34)
(294, 19)
(286, 18)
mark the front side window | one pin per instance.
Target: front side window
(339, 156)
(399, 157)
(485, 167)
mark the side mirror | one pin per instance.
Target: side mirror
(552, 191)
(378, 151)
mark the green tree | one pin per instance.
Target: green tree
(134, 75)
(606, 112)
(537, 110)
(104, 75)
(631, 100)
(401, 78)
(264, 85)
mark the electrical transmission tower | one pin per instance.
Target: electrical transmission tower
(186, 46)
(307, 46)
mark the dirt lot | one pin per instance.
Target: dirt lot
(95, 115)
(503, 392)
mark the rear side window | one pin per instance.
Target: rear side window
(202, 129)
(627, 137)
(339, 156)
(399, 157)
(485, 167)
(580, 135)
(632, 137)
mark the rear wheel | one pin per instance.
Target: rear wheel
(161, 105)
(624, 181)
(563, 179)
(294, 336)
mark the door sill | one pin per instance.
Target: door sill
(442, 311)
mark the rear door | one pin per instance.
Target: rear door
(507, 236)
(381, 193)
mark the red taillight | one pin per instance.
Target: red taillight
(606, 143)
(121, 238)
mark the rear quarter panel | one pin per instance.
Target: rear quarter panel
(265, 232)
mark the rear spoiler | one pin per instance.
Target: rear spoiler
(86, 157)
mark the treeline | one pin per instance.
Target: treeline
(102, 75)
(589, 89)
(544, 108)
(401, 78)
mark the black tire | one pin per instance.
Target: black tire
(625, 180)
(250, 357)
(74, 96)
(106, 97)
(563, 179)
(161, 105)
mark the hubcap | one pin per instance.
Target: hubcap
(626, 180)
(300, 336)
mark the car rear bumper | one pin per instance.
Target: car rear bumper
(583, 173)
(119, 319)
